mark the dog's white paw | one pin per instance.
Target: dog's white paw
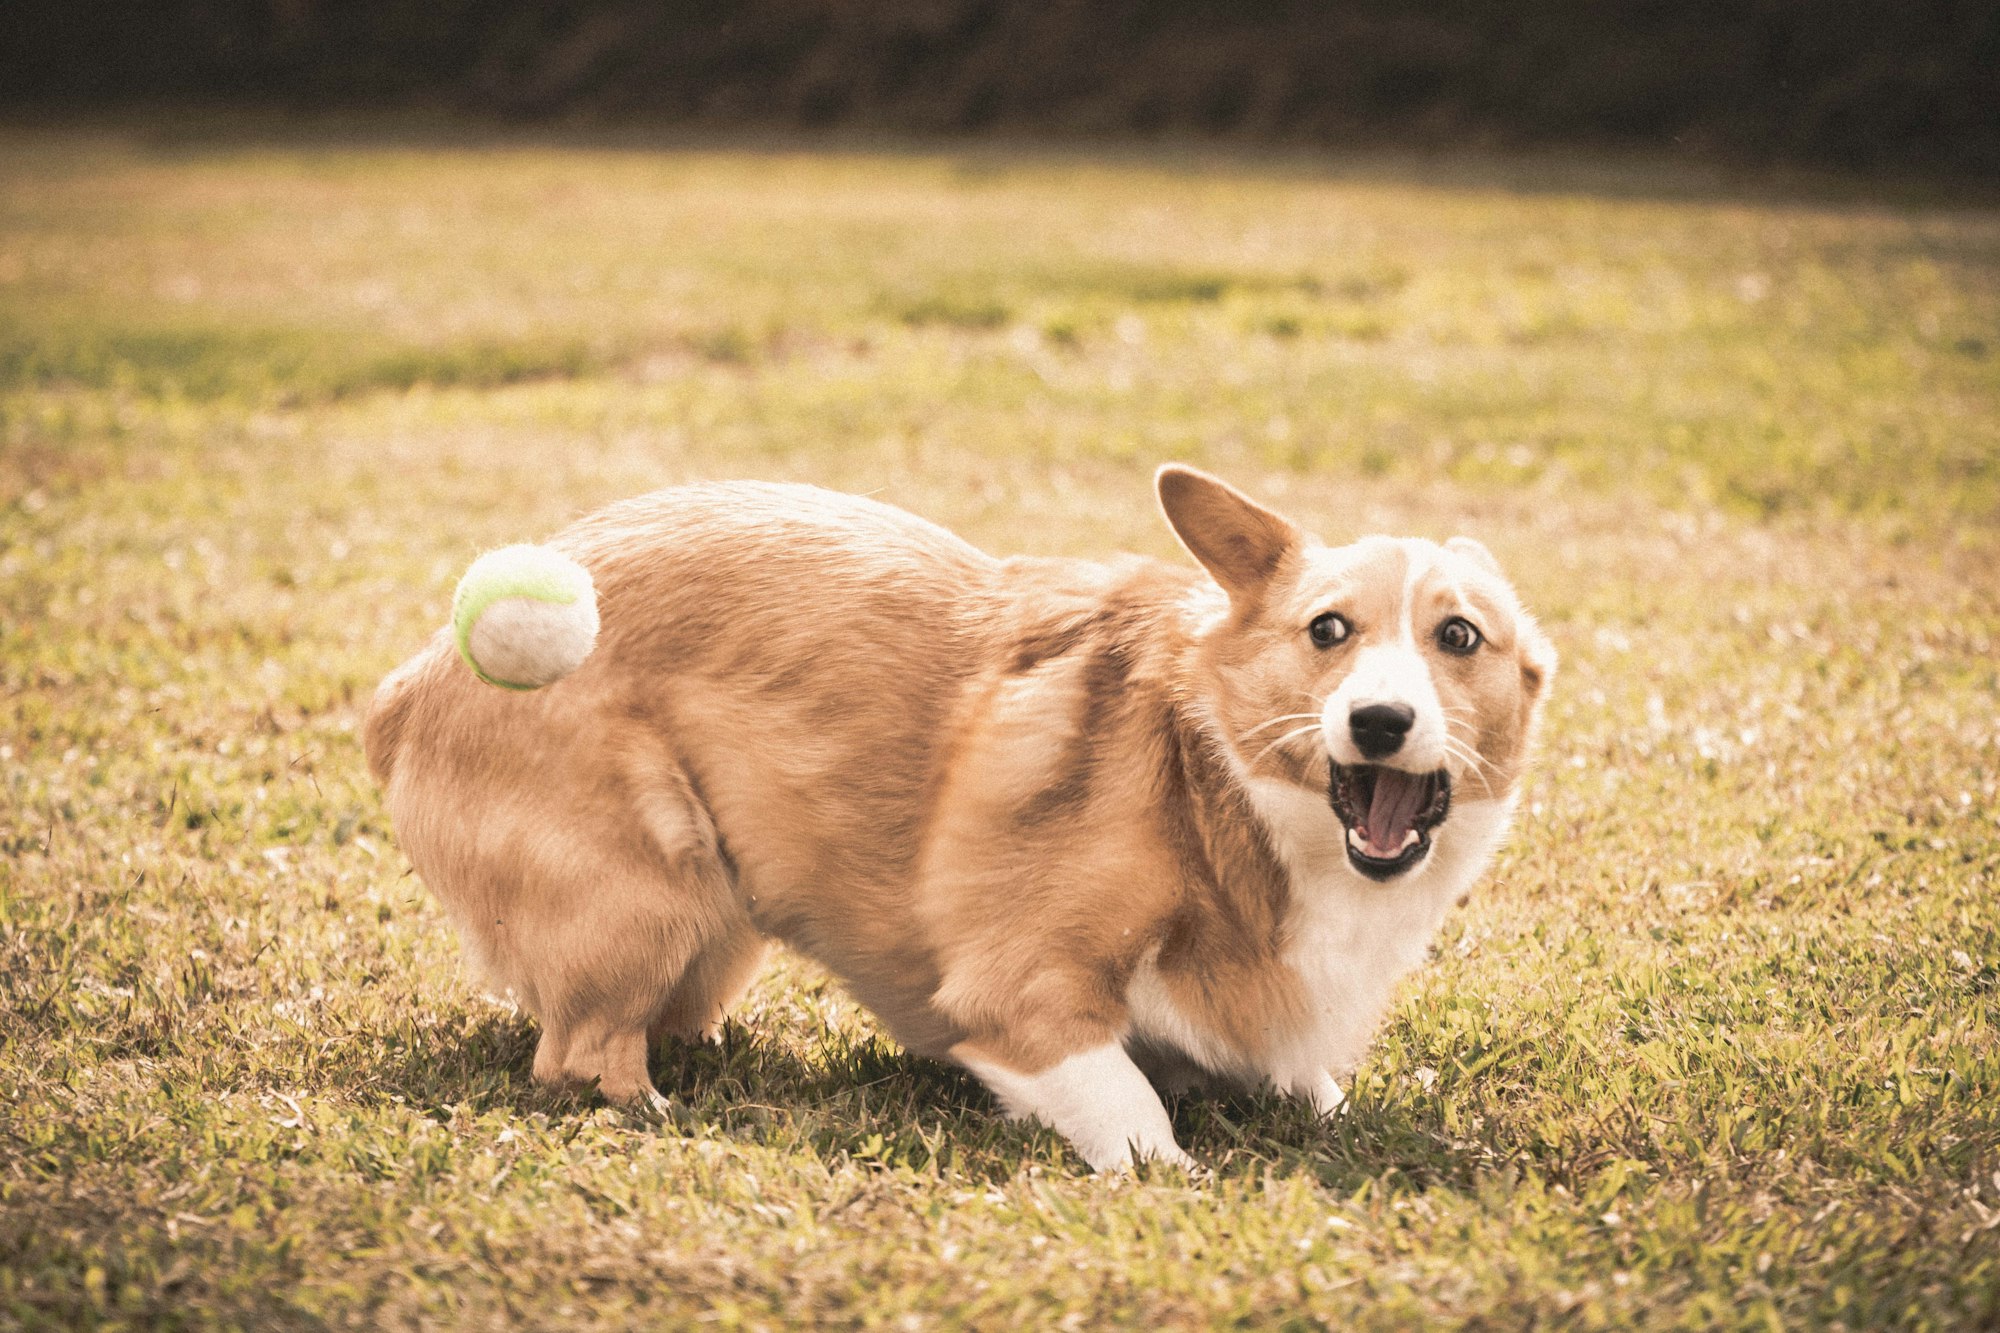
(1121, 1163)
(1097, 1099)
(1326, 1097)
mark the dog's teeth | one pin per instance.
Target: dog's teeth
(1409, 841)
(1356, 841)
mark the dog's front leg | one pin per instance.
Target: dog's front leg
(1097, 1099)
(1323, 1093)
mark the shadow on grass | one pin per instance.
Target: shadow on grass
(868, 1099)
(486, 1062)
(1244, 1135)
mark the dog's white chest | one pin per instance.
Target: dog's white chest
(1350, 941)
(1347, 950)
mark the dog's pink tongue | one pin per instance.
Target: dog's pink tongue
(1392, 813)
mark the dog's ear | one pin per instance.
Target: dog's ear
(1236, 539)
(1538, 661)
(1475, 551)
(1538, 655)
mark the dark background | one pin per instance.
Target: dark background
(1868, 86)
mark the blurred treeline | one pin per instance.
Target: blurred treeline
(1854, 83)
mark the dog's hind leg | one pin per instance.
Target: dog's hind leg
(608, 1055)
(713, 982)
(654, 939)
(605, 990)
(606, 972)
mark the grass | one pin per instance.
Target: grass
(1715, 1046)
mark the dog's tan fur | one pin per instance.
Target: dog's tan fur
(992, 795)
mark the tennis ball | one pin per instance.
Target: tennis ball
(524, 617)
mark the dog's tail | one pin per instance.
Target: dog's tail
(524, 617)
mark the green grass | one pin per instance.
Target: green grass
(1715, 1046)
(286, 367)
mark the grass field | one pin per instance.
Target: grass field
(1715, 1046)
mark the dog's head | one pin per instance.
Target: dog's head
(1393, 677)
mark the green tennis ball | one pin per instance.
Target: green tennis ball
(524, 617)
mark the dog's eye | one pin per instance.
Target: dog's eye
(1458, 635)
(1329, 629)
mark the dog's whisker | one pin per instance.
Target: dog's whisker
(1466, 754)
(1461, 719)
(1283, 717)
(1458, 742)
(1288, 737)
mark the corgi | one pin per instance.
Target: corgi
(1086, 829)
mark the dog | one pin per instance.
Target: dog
(1076, 826)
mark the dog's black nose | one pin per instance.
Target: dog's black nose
(1378, 729)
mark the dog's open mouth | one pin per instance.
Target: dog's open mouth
(1389, 815)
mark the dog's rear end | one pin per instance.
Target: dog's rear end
(570, 831)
